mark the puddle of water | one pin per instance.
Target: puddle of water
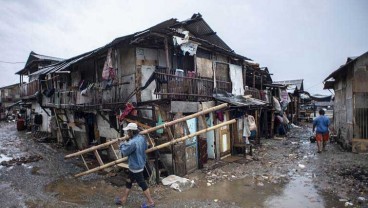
(4, 158)
(243, 192)
(299, 192)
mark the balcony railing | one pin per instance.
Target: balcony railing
(94, 97)
(186, 87)
(29, 89)
(168, 86)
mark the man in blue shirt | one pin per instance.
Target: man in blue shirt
(135, 149)
(322, 133)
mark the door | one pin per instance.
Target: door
(210, 138)
(191, 152)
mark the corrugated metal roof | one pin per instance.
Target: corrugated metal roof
(292, 84)
(34, 57)
(64, 64)
(350, 60)
(43, 57)
(195, 25)
(238, 100)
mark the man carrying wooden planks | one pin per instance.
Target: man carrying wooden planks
(135, 150)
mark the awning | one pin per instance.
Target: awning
(239, 100)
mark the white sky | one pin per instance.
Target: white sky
(295, 39)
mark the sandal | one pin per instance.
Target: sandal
(118, 201)
(145, 205)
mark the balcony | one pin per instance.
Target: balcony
(28, 90)
(186, 87)
(168, 86)
(93, 98)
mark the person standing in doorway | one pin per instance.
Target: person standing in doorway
(135, 150)
(322, 133)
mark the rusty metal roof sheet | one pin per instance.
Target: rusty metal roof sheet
(239, 100)
(195, 25)
(350, 60)
(292, 84)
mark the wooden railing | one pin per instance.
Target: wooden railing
(168, 86)
(186, 87)
(29, 89)
(94, 97)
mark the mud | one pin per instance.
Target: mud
(283, 172)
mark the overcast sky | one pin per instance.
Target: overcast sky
(295, 39)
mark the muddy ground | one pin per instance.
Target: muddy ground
(283, 172)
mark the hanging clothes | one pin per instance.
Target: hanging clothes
(128, 108)
(246, 130)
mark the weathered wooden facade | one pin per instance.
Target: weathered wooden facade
(9, 95)
(150, 77)
(294, 88)
(30, 91)
(350, 104)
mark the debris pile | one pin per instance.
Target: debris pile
(21, 160)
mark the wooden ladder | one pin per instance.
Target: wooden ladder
(148, 130)
(65, 133)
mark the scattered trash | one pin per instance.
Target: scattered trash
(260, 184)
(343, 200)
(215, 200)
(21, 160)
(294, 142)
(301, 166)
(178, 183)
(209, 184)
(295, 126)
(348, 204)
(361, 199)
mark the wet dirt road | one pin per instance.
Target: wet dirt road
(281, 173)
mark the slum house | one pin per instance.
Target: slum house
(292, 96)
(258, 83)
(37, 117)
(350, 104)
(9, 97)
(149, 77)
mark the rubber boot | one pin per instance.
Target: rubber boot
(319, 145)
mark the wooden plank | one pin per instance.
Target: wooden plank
(203, 120)
(98, 157)
(123, 165)
(359, 145)
(112, 148)
(168, 130)
(84, 161)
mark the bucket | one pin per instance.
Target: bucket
(20, 124)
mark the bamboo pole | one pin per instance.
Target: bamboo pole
(158, 147)
(170, 123)
(96, 147)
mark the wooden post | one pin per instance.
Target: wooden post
(157, 147)
(167, 56)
